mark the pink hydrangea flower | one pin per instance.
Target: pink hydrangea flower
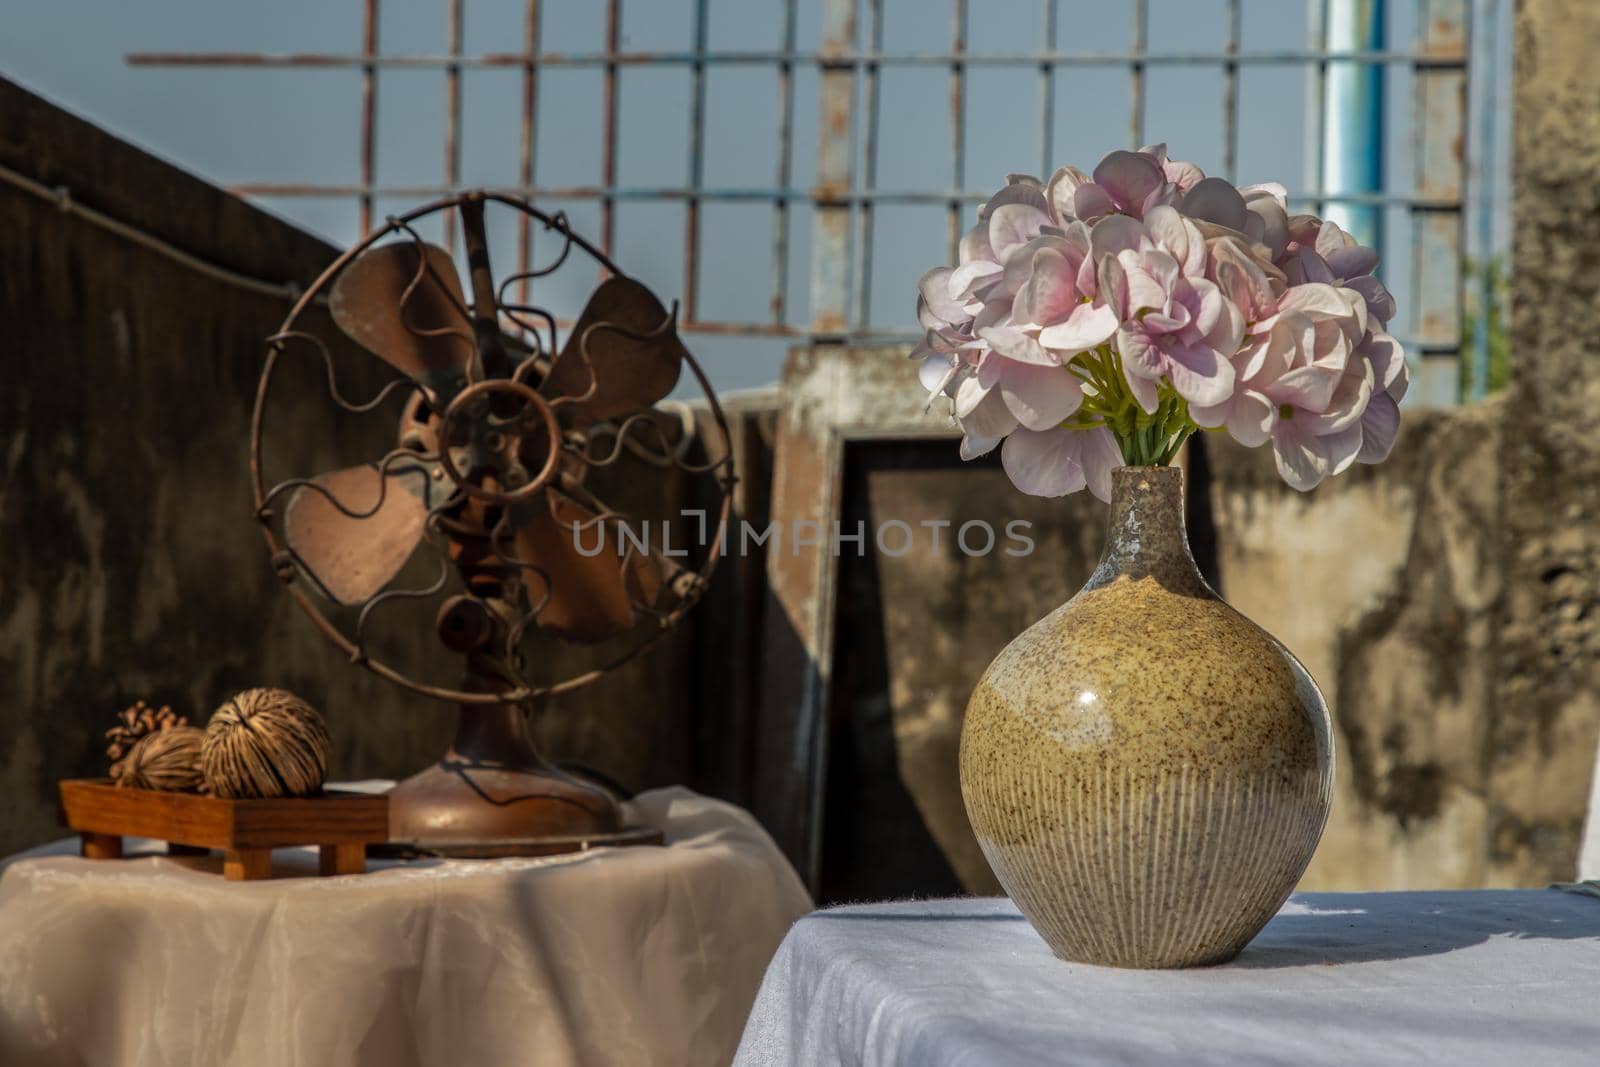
(1093, 319)
(1173, 321)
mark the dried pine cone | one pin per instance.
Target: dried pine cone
(168, 760)
(265, 743)
(133, 724)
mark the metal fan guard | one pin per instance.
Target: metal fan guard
(293, 573)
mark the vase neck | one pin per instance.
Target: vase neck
(1145, 537)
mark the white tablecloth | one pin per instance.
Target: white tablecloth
(630, 956)
(1459, 978)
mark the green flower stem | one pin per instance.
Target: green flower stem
(1145, 438)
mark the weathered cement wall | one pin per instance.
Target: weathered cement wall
(1547, 689)
(1386, 582)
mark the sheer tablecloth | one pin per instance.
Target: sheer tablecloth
(631, 956)
(1459, 978)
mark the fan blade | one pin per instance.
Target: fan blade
(353, 558)
(627, 374)
(591, 596)
(425, 333)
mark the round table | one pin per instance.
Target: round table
(630, 956)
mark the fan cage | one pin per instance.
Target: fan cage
(297, 575)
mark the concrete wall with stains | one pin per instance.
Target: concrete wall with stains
(1385, 582)
(1547, 685)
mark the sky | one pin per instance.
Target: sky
(240, 126)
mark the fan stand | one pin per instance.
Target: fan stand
(492, 794)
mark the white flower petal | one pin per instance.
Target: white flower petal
(971, 280)
(1063, 184)
(1301, 461)
(1040, 397)
(1013, 225)
(969, 394)
(1043, 463)
(1380, 424)
(1199, 374)
(987, 417)
(936, 372)
(1215, 200)
(973, 447)
(1089, 325)
(1251, 418)
(1013, 343)
(1113, 234)
(1099, 457)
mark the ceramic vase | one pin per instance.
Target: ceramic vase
(1147, 771)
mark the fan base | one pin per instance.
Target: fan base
(470, 807)
(492, 795)
(535, 846)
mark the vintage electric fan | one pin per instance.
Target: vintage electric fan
(502, 424)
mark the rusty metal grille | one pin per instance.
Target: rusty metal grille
(845, 201)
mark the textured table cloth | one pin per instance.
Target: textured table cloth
(630, 956)
(1459, 978)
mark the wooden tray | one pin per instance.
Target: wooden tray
(340, 824)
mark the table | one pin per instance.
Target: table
(632, 956)
(1481, 977)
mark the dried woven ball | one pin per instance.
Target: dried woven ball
(168, 760)
(265, 743)
(133, 725)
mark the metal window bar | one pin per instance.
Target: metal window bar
(697, 155)
(865, 216)
(1230, 96)
(369, 107)
(1047, 93)
(1316, 96)
(526, 153)
(1137, 58)
(452, 116)
(780, 216)
(845, 58)
(608, 122)
(844, 200)
(958, 125)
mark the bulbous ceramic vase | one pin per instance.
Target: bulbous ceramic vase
(1147, 770)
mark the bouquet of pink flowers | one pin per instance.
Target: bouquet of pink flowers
(1100, 320)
